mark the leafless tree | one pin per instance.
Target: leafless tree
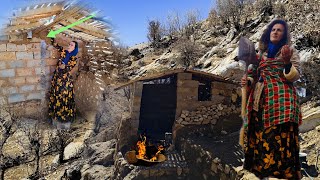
(264, 6)
(154, 32)
(120, 52)
(190, 51)
(192, 17)
(279, 10)
(63, 138)
(213, 18)
(34, 135)
(8, 126)
(174, 24)
(231, 12)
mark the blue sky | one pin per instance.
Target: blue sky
(130, 17)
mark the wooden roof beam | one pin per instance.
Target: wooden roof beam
(79, 28)
(63, 15)
(77, 35)
(88, 27)
(28, 20)
(32, 12)
(82, 30)
(22, 27)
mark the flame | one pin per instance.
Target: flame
(142, 148)
(154, 158)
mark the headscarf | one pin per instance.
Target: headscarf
(72, 53)
(273, 49)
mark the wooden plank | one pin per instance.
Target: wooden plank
(80, 28)
(149, 77)
(93, 38)
(158, 75)
(85, 25)
(83, 36)
(63, 15)
(22, 27)
(32, 12)
(28, 20)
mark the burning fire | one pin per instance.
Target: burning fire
(154, 158)
(142, 150)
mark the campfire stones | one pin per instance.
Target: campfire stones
(179, 171)
(214, 167)
(220, 167)
(227, 169)
(216, 160)
(131, 157)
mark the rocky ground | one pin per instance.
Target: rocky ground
(310, 144)
(92, 155)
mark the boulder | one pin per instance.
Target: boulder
(97, 172)
(73, 150)
(102, 153)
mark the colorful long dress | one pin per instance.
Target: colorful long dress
(61, 102)
(271, 140)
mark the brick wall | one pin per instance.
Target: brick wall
(21, 69)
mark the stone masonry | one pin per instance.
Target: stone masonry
(187, 94)
(206, 115)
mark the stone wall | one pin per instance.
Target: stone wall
(206, 115)
(26, 68)
(209, 166)
(187, 93)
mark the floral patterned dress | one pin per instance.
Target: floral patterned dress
(61, 101)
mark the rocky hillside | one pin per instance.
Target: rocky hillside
(213, 44)
(213, 47)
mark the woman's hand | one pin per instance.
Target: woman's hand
(286, 53)
(62, 66)
(244, 81)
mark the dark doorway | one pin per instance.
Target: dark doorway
(158, 107)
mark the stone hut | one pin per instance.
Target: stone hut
(27, 59)
(163, 102)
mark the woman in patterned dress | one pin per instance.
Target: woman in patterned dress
(273, 112)
(61, 102)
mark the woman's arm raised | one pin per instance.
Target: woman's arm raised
(56, 45)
